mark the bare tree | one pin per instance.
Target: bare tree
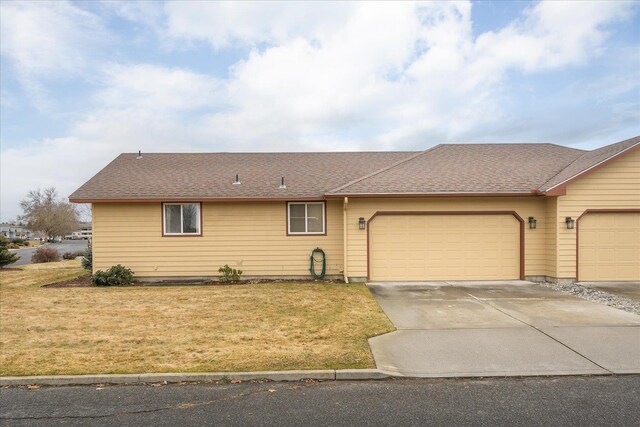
(84, 211)
(44, 212)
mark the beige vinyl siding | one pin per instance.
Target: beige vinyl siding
(535, 240)
(551, 231)
(614, 186)
(248, 236)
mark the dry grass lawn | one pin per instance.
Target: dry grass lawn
(180, 328)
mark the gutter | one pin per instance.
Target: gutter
(441, 194)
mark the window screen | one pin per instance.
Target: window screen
(181, 218)
(306, 217)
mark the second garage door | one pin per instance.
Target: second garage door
(609, 247)
(444, 247)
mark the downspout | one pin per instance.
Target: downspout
(344, 239)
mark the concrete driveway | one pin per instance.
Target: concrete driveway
(501, 329)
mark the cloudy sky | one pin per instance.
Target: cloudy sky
(85, 81)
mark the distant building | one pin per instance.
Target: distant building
(84, 233)
(13, 231)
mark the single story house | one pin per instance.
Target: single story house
(13, 231)
(452, 212)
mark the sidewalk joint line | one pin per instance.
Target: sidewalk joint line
(539, 330)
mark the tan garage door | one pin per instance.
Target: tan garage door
(444, 247)
(609, 247)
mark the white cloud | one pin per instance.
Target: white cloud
(552, 34)
(154, 88)
(146, 12)
(422, 73)
(247, 23)
(44, 40)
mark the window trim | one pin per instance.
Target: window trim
(165, 234)
(306, 233)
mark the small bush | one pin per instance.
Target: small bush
(17, 241)
(115, 276)
(27, 243)
(87, 260)
(72, 255)
(14, 246)
(45, 254)
(229, 274)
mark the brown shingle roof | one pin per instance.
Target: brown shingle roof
(469, 168)
(210, 175)
(589, 160)
(443, 169)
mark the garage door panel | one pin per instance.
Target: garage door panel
(628, 239)
(623, 254)
(609, 247)
(444, 247)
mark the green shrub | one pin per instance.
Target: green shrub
(45, 254)
(87, 260)
(6, 257)
(115, 276)
(17, 241)
(229, 274)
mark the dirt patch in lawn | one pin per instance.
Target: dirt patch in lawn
(239, 282)
(82, 281)
(265, 326)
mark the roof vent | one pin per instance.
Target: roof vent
(237, 181)
(282, 186)
(139, 155)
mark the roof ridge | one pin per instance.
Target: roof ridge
(543, 186)
(384, 169)
(272, 152)
(568, 148)
(562, 170)
(511, 143)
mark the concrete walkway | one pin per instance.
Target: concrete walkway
(500, 328)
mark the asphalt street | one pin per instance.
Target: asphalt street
(543, 401)
(62, 247)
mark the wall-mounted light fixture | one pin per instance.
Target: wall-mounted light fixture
(533, 223)
(362, 224)
(571, 223)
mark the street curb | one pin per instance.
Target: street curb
(325, 375)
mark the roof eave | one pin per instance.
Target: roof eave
(560, 189)
(169, 199)
(533, 193)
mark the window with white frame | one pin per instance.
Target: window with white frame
(181, 219)
(306, 217)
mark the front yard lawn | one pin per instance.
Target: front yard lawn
(274, 326)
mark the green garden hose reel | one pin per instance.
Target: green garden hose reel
(313, 261)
